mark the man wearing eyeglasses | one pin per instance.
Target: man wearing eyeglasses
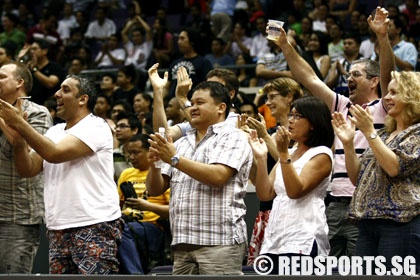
(364, 85)
(126, 127)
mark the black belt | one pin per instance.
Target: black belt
(342, 199)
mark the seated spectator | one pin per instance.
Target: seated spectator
(108, 85)
(173, 112)
(142, 244)
(126, 126)
(246, 76)
(317, 54)
(126, 82)
(239, 43)
(7, 52)
(10, 32)
(163, 44)
(143, 108)
(46, 30)
(111, 54)
(217, 57)
(103, 109)
(66, 23)
(259, 43)
(102, 27)
(47, 75)
(137, 45)
(119, 107)
(77, 65)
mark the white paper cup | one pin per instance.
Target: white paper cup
(274, 29)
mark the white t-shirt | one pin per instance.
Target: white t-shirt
(81, 192)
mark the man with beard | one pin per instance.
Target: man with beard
(364, 84)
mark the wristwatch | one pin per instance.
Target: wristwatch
(287, 161)
(187, 104)
(373, 135)
(34, 69)
(174, 160)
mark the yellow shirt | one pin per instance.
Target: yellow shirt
(138, 179)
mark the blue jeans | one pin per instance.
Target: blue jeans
(142, 236)
(389, 238)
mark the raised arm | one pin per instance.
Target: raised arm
(302, 71)
(379, 25)
(264, 183)
(159, 115)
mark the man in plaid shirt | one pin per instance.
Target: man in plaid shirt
(207, 171)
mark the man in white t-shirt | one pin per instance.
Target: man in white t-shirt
(81, 200)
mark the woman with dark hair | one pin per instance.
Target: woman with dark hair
(317, 54)
(298, 182)
(163, 44)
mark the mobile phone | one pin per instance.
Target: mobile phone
(128, 190)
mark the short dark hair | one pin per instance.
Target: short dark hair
(132, 121)
(319, 115)
(129, 71)
(86, 86)
(230, 78)
(254, 107)
(352, 35)
(143, 138)
(218, 92)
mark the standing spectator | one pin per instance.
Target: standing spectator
(21, 198)
(199, 207)
(111, 54)
(386, 200)
(47, 74)
(298, 181)
(364, 87)
(10, 32)
(217, 57)
(82, 212)
(196, 65)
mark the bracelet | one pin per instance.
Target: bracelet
(288, 161)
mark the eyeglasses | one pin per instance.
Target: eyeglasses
(121, 126)
(355, 74)
(295, 116)
(270, 97)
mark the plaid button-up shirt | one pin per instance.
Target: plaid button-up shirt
(206, 215)
(21, 199)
